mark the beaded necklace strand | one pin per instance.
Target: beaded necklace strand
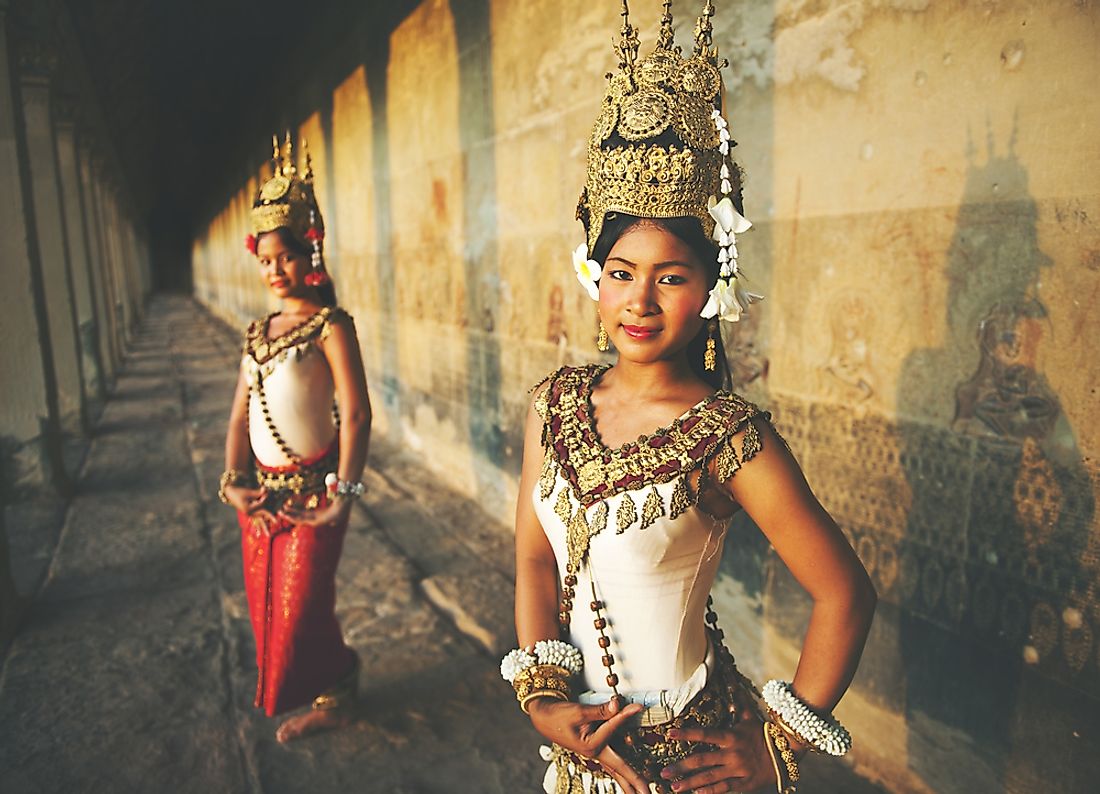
(293, 456)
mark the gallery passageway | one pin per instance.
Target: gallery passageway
(922, 180)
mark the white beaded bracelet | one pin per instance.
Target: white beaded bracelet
(825, 734)
(560, 653)
(348, 488)
(514, 663)
(554, 652)
(343, 488)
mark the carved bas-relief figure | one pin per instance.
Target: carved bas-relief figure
(849, 364)
(1006, 396)
(998, 591)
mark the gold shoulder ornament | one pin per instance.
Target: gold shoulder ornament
(715, 437)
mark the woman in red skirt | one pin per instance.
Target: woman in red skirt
(294, 452)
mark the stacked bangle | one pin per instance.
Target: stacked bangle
(231, 477)
(541, 680)
(559, 653)
(824, 734)
(787, 729)
(515, 662)
(543, 670)
(552, 652)
(779, 748)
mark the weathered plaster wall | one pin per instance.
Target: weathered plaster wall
(923, 178)
(935, 173)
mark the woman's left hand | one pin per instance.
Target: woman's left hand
(335, 511)
(740, 761)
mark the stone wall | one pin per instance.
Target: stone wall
(923, 180)
(73, 251)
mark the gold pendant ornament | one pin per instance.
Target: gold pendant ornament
(710, 356)
(603, 342)
(717, 430)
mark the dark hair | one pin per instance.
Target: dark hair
(327, 292)
(689, 231)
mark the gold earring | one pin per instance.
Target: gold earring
(710, 357)
(603, 344)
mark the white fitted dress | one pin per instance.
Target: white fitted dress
(627, 520)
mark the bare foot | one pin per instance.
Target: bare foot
(313, 721)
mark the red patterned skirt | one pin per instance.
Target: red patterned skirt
(290, 582)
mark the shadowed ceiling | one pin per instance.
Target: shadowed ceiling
(190, 90)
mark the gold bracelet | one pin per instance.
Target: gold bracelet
(778, 744)
(542, 676)
(551, 685)
(230, 477)
(539, 680)
(541, 693)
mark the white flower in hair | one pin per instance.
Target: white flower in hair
(727, 219)
(588, 271)
(727, 253)
(723, 302)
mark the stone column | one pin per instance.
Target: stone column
(141, 245)
(29, 438)
(16, 297)
(35, 64)
(79, 263)
(109, 315)
(135, 268)
(125, 264)
(96, 277)
(117, 263)
(110, 274)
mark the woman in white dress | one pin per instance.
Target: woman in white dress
(295, 449)
(632, 472)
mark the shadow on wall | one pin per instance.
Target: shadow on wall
(996, 602)
(480, 258)
(482, 405)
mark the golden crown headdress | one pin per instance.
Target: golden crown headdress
(660, 149)
(287, 200)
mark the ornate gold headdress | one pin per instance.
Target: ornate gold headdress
(286, 200)
(660, 149)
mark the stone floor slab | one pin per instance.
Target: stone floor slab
(134, 670)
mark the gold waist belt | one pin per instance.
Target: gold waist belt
(306, 478)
